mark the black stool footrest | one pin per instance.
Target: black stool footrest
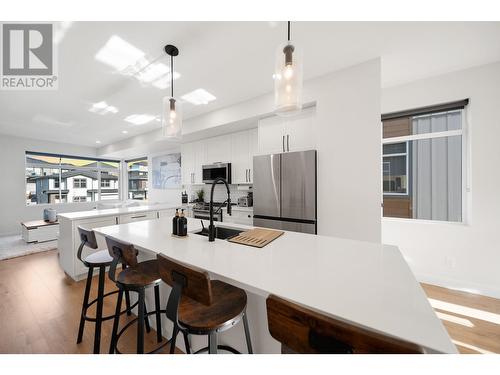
(126, 326)
(108, 317)
(221, 347)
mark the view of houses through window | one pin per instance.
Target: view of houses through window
(65, 179)
(137, 171)
(422, 166)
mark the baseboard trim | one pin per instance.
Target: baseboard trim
(459, 285)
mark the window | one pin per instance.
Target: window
(65, 179)
(422, 174)
(137, 173)
(80, 183)
(105, 183)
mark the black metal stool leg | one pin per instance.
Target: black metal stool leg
(140, 322)
(158, 314)
(84, 305)
(127, 296)
(186, 342)
(173, 339)
(116, 322)
(146, 319)
(100, 302)
(212, 343)
(247, 333)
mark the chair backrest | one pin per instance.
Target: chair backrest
(301, 330)
(87, 237)
(121, 252)
(196, 282)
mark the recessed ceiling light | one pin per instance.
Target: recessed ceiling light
(139, 119)
(97, 142)
(119, 54)
(164, 82)
(198, 97)
(102, 108)
(125, 131)
(153, 72)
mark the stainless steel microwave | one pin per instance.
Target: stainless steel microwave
(212, 171)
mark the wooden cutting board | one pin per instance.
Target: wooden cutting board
(257, 237)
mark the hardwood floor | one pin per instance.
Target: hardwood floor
(40, 310)
(473, 321)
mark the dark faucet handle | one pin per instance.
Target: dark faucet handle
(229, 206)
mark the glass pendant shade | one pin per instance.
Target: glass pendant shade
(288, 79)
(172, 118)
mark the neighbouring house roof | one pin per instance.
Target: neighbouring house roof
(65, 175)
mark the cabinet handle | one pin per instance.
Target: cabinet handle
(246, 175)
(249, 175)
(288, 142)
(138, 217)
(283, 143)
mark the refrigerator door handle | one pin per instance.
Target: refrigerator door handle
(246, 175)
(288, 142)
(283, 138)
(249, 175)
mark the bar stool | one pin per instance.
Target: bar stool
(100, 259)
(301, 330)
(136, 277)
(199, 306)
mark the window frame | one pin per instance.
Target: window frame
(465, 165)
(405, 154)
(126, 172)
(99, 168)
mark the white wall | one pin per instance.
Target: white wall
(13, 207)
(463, 256)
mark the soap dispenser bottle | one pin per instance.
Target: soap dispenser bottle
(182, 224)
(175, 220)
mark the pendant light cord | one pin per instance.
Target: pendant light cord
(172, 75)
(288, 30)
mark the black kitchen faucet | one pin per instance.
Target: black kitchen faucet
(211, 227)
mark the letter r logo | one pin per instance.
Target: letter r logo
(27, 49)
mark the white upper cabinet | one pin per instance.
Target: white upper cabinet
(271, 135)
(187, 163)
(243, 149)
(297, 133)
(218, 149)
(200, 158)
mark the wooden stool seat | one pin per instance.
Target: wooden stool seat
(200, 306)
(98, 258)
(227, 308)
(140, 275)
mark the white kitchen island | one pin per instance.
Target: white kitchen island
(69, 240)
(365, 283)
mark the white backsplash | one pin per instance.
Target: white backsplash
(220, 193)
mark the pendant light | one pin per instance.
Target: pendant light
(172, 109)
(288, 78)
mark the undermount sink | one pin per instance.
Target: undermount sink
(222, 233)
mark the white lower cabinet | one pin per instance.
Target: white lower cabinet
(101, 241)
(123, 219)
(238, 217)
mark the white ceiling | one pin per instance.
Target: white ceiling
(232, 60)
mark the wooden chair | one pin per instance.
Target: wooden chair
(200, 306)
(136, 277)
(301, 330)
(99, 259)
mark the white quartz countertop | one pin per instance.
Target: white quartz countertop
(366, 283)
(115, 211)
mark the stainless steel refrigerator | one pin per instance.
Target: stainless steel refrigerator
(284, 191)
